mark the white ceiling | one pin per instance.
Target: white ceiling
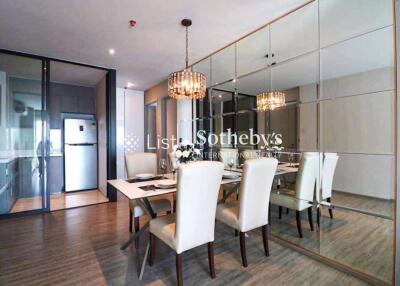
(75, 75)
(84, 31)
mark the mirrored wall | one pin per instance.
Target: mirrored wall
(334, 61)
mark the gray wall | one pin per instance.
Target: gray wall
(66, 99)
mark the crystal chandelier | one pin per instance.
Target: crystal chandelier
(270, 100)
(186, 84)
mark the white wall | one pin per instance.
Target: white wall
(130, 125)
(184, 120)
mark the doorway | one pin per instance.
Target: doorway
(31, 152)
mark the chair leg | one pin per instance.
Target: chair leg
(287, 210)
(265, 239)
(236, 233)
(269, 213)
(330, 210)
(310, 219)
(153, 247)
(130, 220)
(179, 276)
(280, 212)
(136, 222)
(174, 206)
(298, 220)
(211, 259)
(243, 248)
(318, 217)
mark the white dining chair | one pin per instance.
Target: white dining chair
(251, 210)
(194, 222)
(301, 198)
(137, 163)
(328, 172)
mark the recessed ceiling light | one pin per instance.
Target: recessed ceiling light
(111, 51)
(129, 84)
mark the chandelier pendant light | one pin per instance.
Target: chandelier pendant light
(270, 100)
(186, 84)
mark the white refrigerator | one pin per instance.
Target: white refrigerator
(80, 154)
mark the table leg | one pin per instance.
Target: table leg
(146, 254)
(146, 206)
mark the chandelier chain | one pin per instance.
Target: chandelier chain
(187, 47)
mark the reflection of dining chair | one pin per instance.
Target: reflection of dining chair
(250, 154)
(328, 171)
(194, 222)
(302, 197)
(172, 161)
(136, 163)
(226, 156)
(251, 211)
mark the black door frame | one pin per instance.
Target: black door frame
(111, 123)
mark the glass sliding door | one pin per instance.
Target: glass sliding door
(22, 132)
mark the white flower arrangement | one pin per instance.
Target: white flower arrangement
(185, 152)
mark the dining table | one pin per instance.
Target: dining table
(142, 190)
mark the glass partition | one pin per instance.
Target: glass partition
(22, 148)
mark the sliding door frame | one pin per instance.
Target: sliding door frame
(111, 126)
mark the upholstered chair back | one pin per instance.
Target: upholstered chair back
(307, 176)
(254, 193)
(228, 154)
(197, 195)
(328, 171)
(139, 162)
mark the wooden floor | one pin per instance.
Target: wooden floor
(61, 201)
(360, 241)
(81, 247)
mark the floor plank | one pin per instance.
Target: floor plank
(81, 247)
(61, 201)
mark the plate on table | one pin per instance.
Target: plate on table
(145, 176)
(166, 184)
(230, 176)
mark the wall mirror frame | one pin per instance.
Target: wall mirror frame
(335, 62)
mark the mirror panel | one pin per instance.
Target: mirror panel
(340, 96)
(295, 34)
(356, 119)
(223, 65)
(358, 66)
(253, 52)
(204, 67)
(343, 19)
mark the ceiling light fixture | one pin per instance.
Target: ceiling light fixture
(270, 100)
(186, 84)
(111, 51)
(129, 85)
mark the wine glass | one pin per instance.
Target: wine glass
(163, 165)
(231, 163)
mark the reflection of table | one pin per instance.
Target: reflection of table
(133, 192)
